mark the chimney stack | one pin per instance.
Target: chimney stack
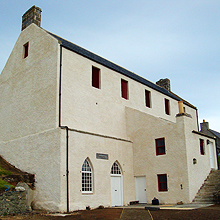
(204, 126)
(165, 83)
(181, 109)
(33, 15)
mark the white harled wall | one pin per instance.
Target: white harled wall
(102, 110)
(84, 146)
(29, 137)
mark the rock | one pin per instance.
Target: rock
(19, 188)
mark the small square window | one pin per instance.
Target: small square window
(124, 89)
(26, 47)
(96, 77)
(147, 98)
(162, 182)
(202, 149)
(167, 106)
(160, 146)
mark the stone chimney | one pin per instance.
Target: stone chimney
(165, 83)
(33, 15)
(204, 126)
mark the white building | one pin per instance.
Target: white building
(94, 133)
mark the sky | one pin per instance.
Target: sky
(156, 39)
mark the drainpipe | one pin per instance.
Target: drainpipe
(197, 119)
(67, 136)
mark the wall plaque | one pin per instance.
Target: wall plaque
(102, 156)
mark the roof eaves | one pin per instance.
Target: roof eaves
(205, 135)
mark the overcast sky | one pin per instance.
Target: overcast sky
(175, 39)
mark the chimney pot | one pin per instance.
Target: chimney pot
(180, 104)
(33, 15)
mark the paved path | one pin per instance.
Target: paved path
(135, 214)
(175, 207)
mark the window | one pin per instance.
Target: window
(167, 106)
(162, 182)
(124, 89)
(26, 50)
(86, 177)
(202, 150)
(147, 99)
(160, 146)
(115, 169)
(96, 77)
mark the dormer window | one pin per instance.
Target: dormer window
(26, 49)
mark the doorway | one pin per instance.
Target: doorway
(116, 185)
(140, 188)
(211, 155)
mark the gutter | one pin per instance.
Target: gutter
(67, 135)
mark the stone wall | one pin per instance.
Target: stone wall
(18, 201)
(13, 202)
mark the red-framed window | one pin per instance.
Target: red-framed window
(167, 106)
(124, 89)
(160, 146)
(202, 149)
(26, 47)
(96, 77)
(147, 98)
(162, 182)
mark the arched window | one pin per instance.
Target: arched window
(115, 169)
(86, 177)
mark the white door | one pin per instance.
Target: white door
(140, 188)
(116, 190)
(211, 155)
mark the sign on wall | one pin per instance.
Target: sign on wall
(102, 156)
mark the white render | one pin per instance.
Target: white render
(99, 121)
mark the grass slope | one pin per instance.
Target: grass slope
(3, 184)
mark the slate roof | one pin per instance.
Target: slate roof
(83, 52)
(217, 134)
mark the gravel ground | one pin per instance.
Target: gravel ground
(212, 213)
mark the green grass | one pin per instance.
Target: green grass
(4, 172)
(5, 185)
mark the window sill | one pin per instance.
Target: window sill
(87, 193)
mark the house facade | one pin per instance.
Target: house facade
(206, 130)
(94, 133)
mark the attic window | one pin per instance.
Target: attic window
(167, 106)
(26, 49)
(96, 77)
(124, 89)
(147, 98)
